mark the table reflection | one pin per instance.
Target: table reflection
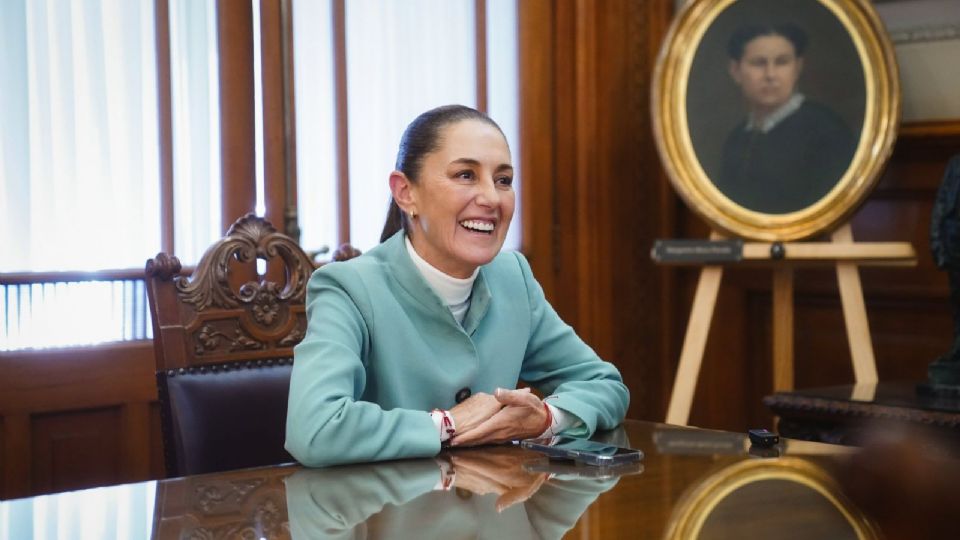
(692, 483)
(111, 512)
(483, 493)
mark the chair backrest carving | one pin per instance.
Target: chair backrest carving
(223, 340)
(206, 318)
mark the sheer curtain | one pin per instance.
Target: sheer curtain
(402, 59)
(503, 92)
(195, 97)
(78, 144)
(79, 180)
(79, 160)
(316, 123)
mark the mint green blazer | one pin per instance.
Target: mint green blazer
(381, 351)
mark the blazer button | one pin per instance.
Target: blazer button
(462, 395)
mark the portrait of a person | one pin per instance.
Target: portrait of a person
(790, 150)
(421, 342)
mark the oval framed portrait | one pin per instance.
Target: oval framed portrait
(774, 119)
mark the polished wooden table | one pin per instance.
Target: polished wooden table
(692, 483)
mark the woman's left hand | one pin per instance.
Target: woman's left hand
(522, 417)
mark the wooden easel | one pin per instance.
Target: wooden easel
(841, 251)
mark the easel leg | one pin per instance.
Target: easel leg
(783, 329)
(855, 316)
(694, 343)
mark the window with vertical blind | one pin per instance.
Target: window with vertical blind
(79, 163)
(78, 169)
(398, 59)
(81, 186)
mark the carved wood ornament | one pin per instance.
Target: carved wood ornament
(210, 316)
(248, 239)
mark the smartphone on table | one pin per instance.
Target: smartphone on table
(583, 451)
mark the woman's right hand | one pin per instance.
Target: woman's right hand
(474, 411)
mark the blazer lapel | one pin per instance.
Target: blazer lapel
(479, 303)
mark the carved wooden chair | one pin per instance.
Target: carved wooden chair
(224, 339)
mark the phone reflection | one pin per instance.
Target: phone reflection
(489, 492)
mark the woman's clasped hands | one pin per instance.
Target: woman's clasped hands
(504, 416)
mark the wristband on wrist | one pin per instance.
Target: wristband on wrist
(447, 429)
(549, 422)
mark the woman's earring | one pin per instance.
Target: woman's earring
(413, 215)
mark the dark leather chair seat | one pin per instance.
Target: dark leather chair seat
(228, 416)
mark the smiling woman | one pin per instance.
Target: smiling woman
(422, 340)
(459, 196)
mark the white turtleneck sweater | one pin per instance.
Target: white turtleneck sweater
(455, 294)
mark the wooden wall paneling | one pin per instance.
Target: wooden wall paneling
(590, 160)
(107, 390)
(164, 123)
(276, 84)
(537, 100)
(237, 123)
(918, 162)
(77, 449)
(279, 130)
(721, 374)
(16, 455)
(634, 197)
(3, 466)
(342, 138)
(480, 37)
(135, 442)
(908, 334)
(39, 381)
(157, 463)
(567, 218)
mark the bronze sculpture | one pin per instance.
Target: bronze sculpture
(944, 373)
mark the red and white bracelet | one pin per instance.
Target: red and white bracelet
(548, 427)
(444, 421)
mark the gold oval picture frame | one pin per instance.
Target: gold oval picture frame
(764, 155)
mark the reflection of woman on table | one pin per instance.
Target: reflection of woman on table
(422, 340)
(790, 151)
(483, 493)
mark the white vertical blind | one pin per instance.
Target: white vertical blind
(63, 314)
(503, 91)
(195, 110)
(316, 123)
(78, 144)
(403, 58)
